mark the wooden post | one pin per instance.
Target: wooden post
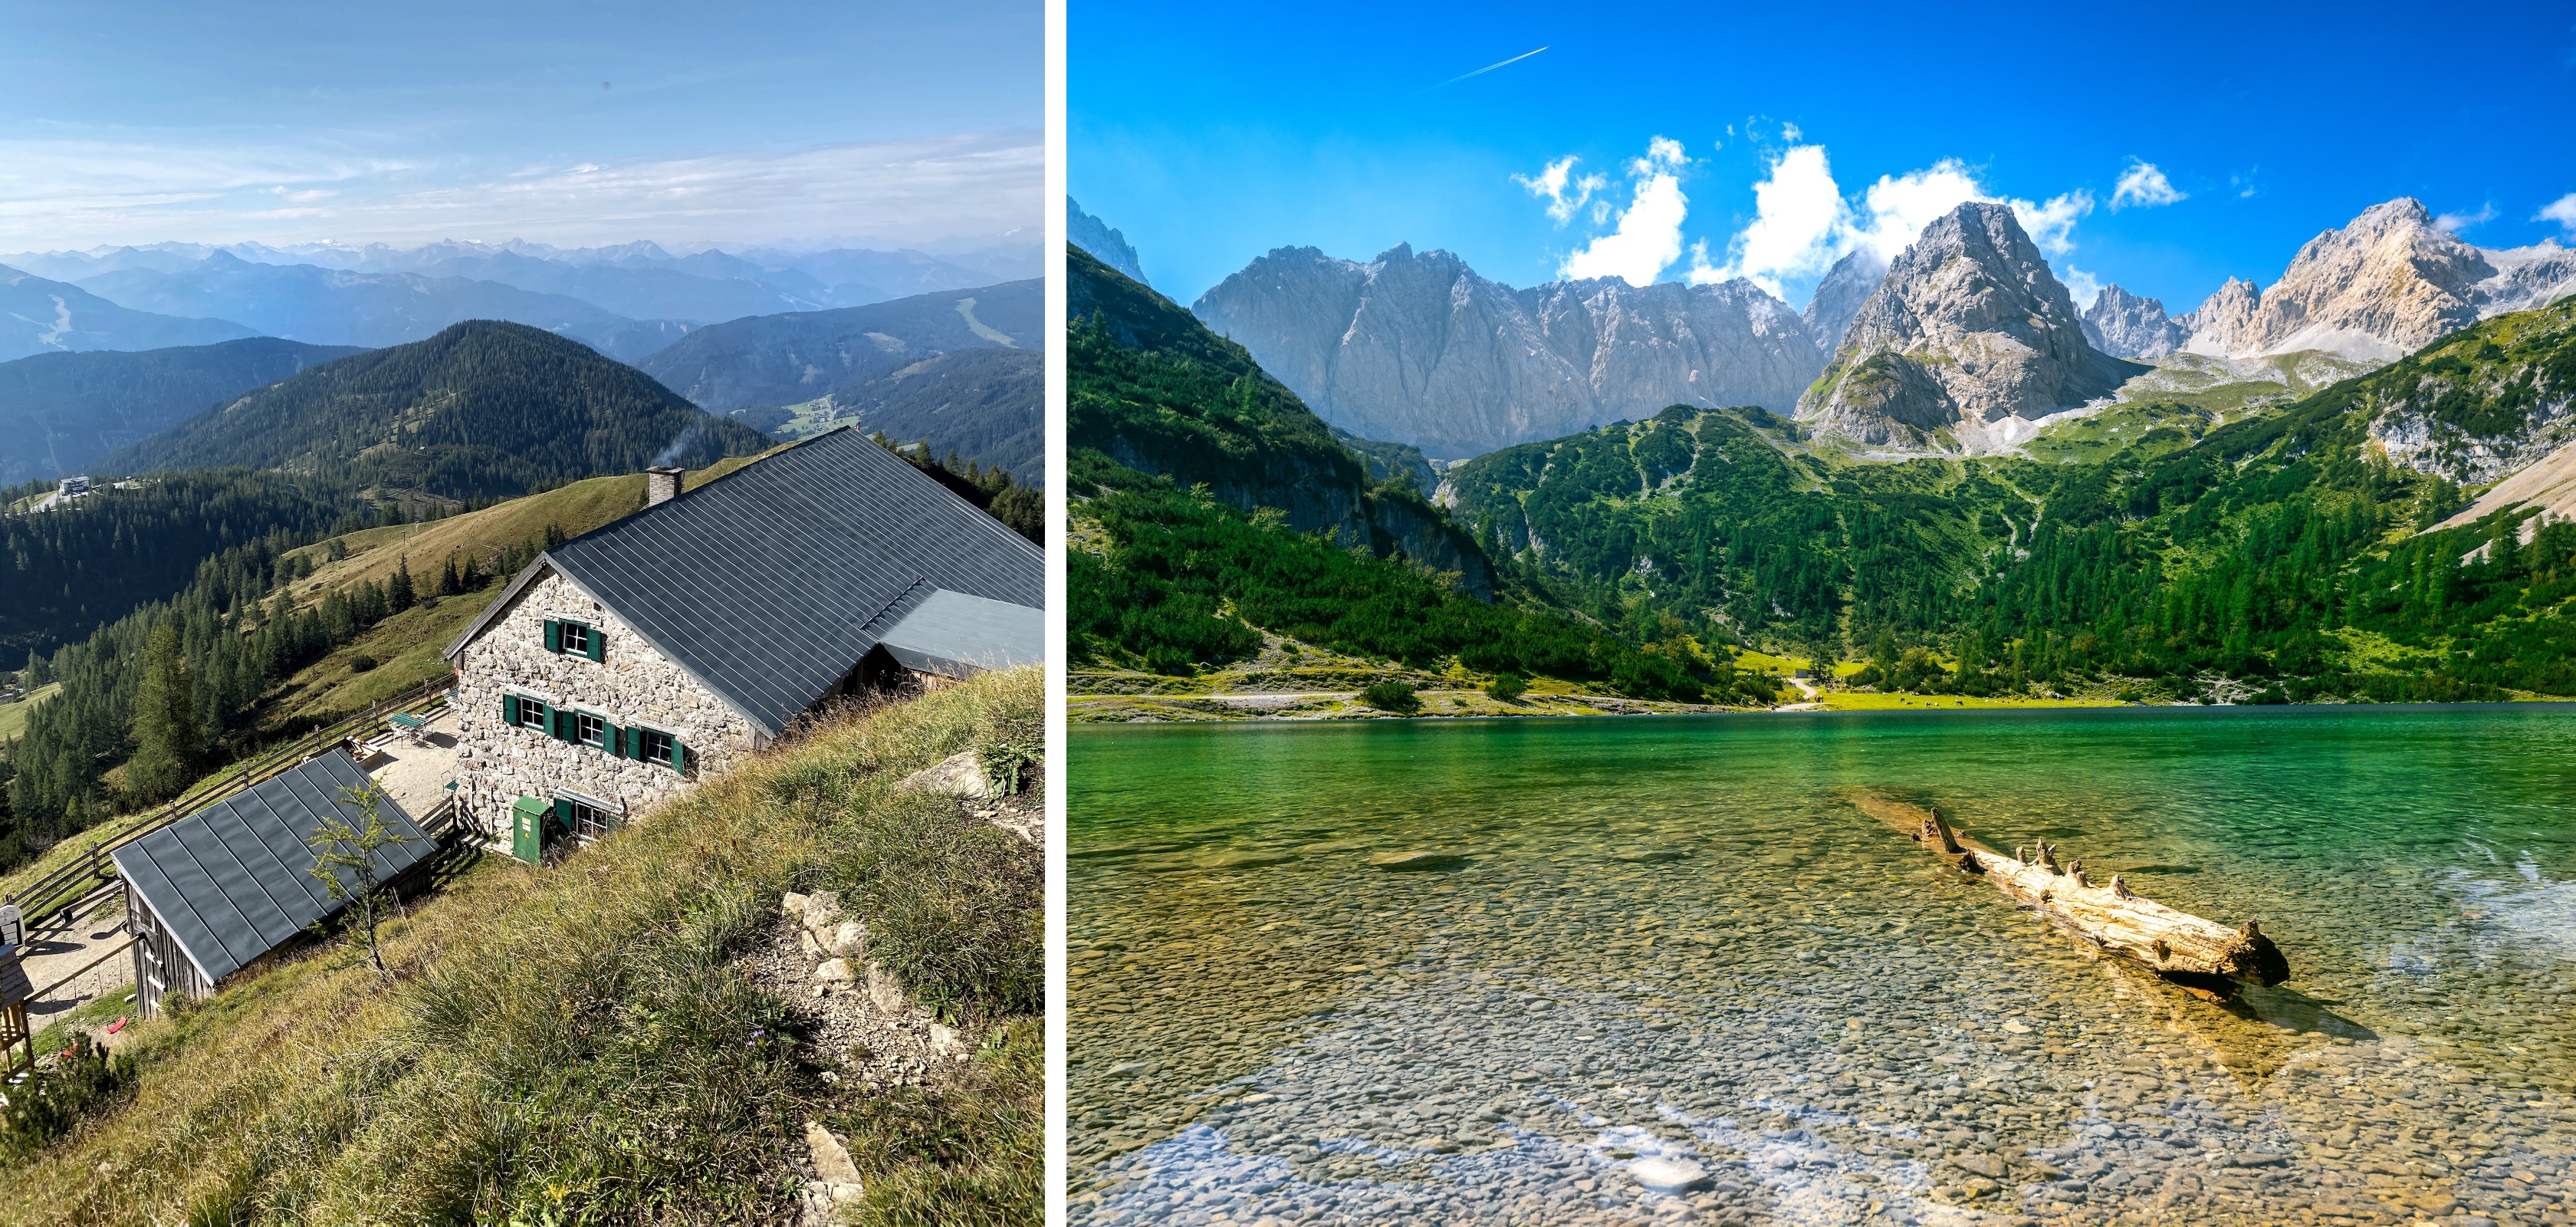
(2113, 917)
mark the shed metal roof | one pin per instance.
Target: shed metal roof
(234, 880)
(956, 635)
(770, 583)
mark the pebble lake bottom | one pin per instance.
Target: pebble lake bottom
(1662, 971)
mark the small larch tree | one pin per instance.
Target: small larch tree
(344, 857)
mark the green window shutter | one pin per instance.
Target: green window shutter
(510, 711)
(553, 725)
(633, 746)
(563, 813)
(679, 756)
(613, 740)
(598, 645)
(554, 635)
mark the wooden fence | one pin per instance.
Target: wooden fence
(69, 887)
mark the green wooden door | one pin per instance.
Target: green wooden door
(528, 828)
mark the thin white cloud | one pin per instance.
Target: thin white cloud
(1898, 207)
(60, 194)
(2456, 222)
(2561, 211)
(2142, 186)
(1564, 193)
(2052, 225)
(2082, 286)
(1649, 236)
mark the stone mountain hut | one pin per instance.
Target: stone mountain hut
(623, 664)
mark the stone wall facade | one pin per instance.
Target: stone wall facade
(633, 685)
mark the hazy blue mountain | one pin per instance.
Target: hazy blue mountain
(39, 316)
(986, 404)
(795, 357)
(60, 411)
(339, 307)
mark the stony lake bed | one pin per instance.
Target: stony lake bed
(1665, 971)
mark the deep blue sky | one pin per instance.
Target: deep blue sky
(566, 123)
(1212, 133)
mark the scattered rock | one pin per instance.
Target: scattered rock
(849, 940)
(834, 971)
(792, 905)
(1667, 1176)
(958, 775)
(885, 991)
(831, 1160)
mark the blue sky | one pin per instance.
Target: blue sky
(572, 124)
(2162, 149)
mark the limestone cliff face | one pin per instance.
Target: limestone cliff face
(2383, 286)
(2124, 325)
(1839, 296)
(1095, 236)
(1969, 330)
(1418, 348)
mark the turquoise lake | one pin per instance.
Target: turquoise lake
(1663, 970)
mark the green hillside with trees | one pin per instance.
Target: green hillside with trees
(2281, 556)
(1173, 576)
(483, 409)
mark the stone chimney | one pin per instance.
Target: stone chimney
(661, 484)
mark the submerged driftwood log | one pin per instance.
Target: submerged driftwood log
(2178, 944)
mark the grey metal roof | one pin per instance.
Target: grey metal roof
(234, 880)
(770, 583)
(956, 635)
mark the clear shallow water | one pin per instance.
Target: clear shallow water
(1676, 939)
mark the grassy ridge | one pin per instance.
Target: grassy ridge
(574, 1044)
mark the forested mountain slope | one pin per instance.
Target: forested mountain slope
(60, 411)
(1213, 507)
(484, 408)
(2276, 555)
(794, 357)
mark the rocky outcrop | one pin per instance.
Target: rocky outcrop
(1839, 296)
(2383, 286)
(1968, 332)
(2124, 325)
(1094, 235)
(1418, 348)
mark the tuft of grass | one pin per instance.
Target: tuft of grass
(968, 1154)
(572, 1044)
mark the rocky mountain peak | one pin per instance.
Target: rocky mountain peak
(1839, 296)
(2384, 285)
(2124, 325)
(1107, 245)
(1969, 329)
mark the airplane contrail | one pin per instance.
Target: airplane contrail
(1482, 71)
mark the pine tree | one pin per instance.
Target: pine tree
(399, 596)
(168, 737)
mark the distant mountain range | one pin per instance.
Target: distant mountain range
(792, 358)
(40, 316)
(61, 411)
(482, 408)
(625, 301)
(1419, 349)
(986, 404)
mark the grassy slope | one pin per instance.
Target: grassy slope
(13, 717)
(572, 1044)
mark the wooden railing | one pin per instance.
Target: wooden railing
(71, 885)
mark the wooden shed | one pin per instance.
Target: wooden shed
(221, 889)
(15, 1031)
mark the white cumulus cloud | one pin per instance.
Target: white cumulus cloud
(2561, 211)
(1565, 194)
(1648, 239)
(1898, 207)
(2052, 225)
(2081, 286)
(2143, 186)
(1798, 217)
